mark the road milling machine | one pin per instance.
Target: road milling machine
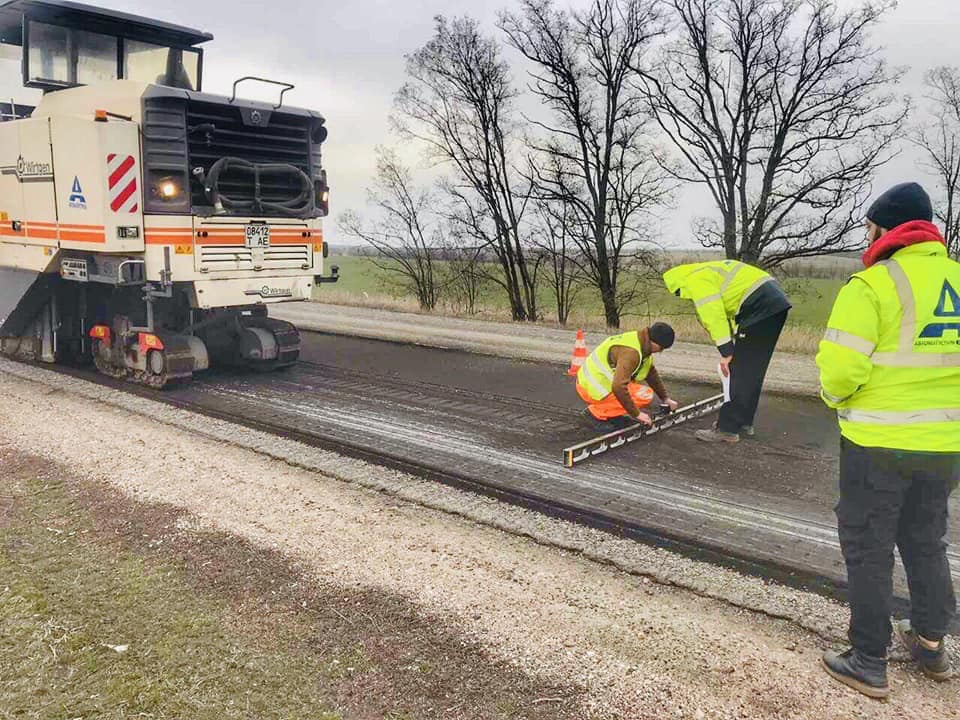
(143, 223)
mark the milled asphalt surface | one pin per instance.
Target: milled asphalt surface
(789, 373)
(504, 422)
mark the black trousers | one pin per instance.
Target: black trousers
(887, 498)
(751, 358)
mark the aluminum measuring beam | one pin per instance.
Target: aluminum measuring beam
(599, 445)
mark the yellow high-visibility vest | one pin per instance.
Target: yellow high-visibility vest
(596, 374)
(718, 290)
(890, 359)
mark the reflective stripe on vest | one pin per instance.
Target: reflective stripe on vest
(752, 289)
(832, 398)
(908, 322)
(850, 341)
(594, 387)
(896, 417)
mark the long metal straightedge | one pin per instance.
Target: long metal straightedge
(588, 449)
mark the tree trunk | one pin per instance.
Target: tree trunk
(610, 309)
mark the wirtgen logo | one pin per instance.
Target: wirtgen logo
(31, 168)
(948, 307)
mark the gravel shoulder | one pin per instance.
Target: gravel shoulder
(789, 373)
(633, 631)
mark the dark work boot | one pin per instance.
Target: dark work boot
(864, 673)
(588, 421)
(602, 427)
(934, 663)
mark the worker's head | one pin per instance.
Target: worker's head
(661, 337)
(900, 204)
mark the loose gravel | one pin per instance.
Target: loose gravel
(648, 633)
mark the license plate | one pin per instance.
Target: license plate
(257, 236)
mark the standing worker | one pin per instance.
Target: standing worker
(609, 380)
(744, 310)
(890, 365)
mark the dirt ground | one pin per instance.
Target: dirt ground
(542, 625)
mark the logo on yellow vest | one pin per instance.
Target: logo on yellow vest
(948, 307)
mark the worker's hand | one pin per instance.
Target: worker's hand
(725, 365)
(643, 419)
(672, 404)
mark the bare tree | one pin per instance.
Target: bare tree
(459, 101)
(591, 156)
(404, 233)
(782, 108)
(465, 273)
(556, 226)
(940, 141)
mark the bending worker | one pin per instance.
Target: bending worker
(744, 310)
(609, 380)
(890, 365)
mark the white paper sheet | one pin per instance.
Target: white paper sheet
(725, 382)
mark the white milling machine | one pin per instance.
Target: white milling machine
(144, 223)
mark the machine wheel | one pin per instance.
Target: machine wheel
(283, 336)
(171, 366)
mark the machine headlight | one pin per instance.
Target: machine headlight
(168, 189)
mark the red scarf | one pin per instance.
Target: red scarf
(910, 233)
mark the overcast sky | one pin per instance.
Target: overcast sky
(346, 59)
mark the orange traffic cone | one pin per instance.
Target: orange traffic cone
(579, 355)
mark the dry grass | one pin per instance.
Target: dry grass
(111, 608)
(829, 267)
(797, 339)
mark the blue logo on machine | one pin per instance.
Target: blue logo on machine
(77, 201)
(948, 307)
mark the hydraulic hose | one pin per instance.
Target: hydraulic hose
(302, 204)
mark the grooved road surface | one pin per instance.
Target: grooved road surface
(504, 423)
(789, 372)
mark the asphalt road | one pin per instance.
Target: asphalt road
(504, 422)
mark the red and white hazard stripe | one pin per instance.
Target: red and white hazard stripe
(122, 183)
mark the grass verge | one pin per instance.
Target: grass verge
(363, 284)
(111, 608)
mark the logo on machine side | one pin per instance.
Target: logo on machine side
(77, 201)
(29, 170)
(269, 292)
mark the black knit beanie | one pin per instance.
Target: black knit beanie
(901, 204)
(662, 334)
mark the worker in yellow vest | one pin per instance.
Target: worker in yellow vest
(744, 310)
(611, 379)
(890, 365)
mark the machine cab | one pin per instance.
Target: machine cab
(66, 44)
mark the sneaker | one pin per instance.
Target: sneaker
(864, 673)
(934, 663)
(717, 436)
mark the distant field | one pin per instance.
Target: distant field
(363, 283)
